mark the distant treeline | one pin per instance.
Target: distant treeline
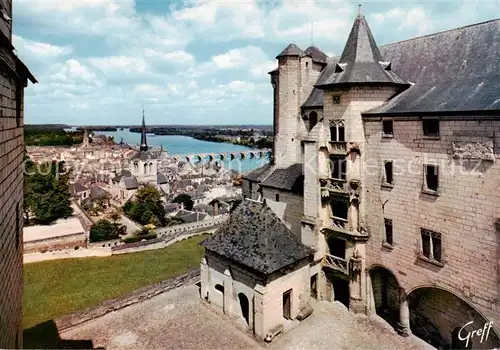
(216, 135)
(97, 128)
(51, 137)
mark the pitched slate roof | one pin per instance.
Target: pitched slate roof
(467, 82)
(258, 174)
(161, 178)
(291, 50)
(97, 192)
(284, 178)
(78, 187)
(455, 70)
(255, 237)
(316, 54)
(361, 61)
(130, 182)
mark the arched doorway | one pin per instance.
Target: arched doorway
(386, 293)
(244, 306)
(441, 318)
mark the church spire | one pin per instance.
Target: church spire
(144, 142)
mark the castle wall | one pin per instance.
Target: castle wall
(464, 212)
(11, 206)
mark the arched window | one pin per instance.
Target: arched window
(219, 288)
(145, 168)
(313, 119)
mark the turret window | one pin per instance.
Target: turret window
(336, 99)
(337, 133)
(313, 119)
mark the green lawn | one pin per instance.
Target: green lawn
(59, 287)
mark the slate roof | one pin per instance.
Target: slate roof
(451, 72)
(78, 187)
(96, 192)
(255, 237)
(258, 174)
(455, 70)
(361, 61)
(316, 54)
(130, 182)
(291, 50)
(146, 155)
(285, 178)
(161, 178)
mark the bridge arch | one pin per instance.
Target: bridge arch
(188, 159)
(440, 316)
(198, 158)
(232, 156)
(260, 153)
(222, 156)
(242, 155)
(251, 155)
(268, 154)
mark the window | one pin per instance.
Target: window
(431, 127)
(277, 197)
(219, 288)
(339, 168)
(336, 99)
(340, 208)
(313, 119)
(287, 304)
(431, 178)
(431, 245)
(337, 133)
(250, 186)
(388, 178)
(387, 128)
(388, 231)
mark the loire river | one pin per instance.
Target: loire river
(175, 145)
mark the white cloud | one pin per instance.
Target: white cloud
(39, 50)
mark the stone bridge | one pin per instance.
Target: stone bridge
(210, 157)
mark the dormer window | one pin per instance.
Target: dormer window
(313, 119)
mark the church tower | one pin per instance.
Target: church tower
(360, 81)
(144, 142)
(85, 138)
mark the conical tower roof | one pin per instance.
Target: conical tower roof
(291, 50)
(361, 61)
(144, 141)
(316, 54)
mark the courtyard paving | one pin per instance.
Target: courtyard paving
(178, 320)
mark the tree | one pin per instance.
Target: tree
(172, 221)
(147, 207)
(115, 215)
(184, 199)
(104, 230)
(46, 193)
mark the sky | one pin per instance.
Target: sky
(99, 62)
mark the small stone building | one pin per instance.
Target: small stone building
(257, 271)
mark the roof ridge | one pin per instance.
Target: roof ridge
(442, 32)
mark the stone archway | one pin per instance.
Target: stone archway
(446, 321)
(386, 294)
(244, 307)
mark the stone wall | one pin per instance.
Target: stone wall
(464, 211)
(11, 196)
(289, 208)
(199, 225)
(56, 243)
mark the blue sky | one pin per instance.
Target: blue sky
(193, 62)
